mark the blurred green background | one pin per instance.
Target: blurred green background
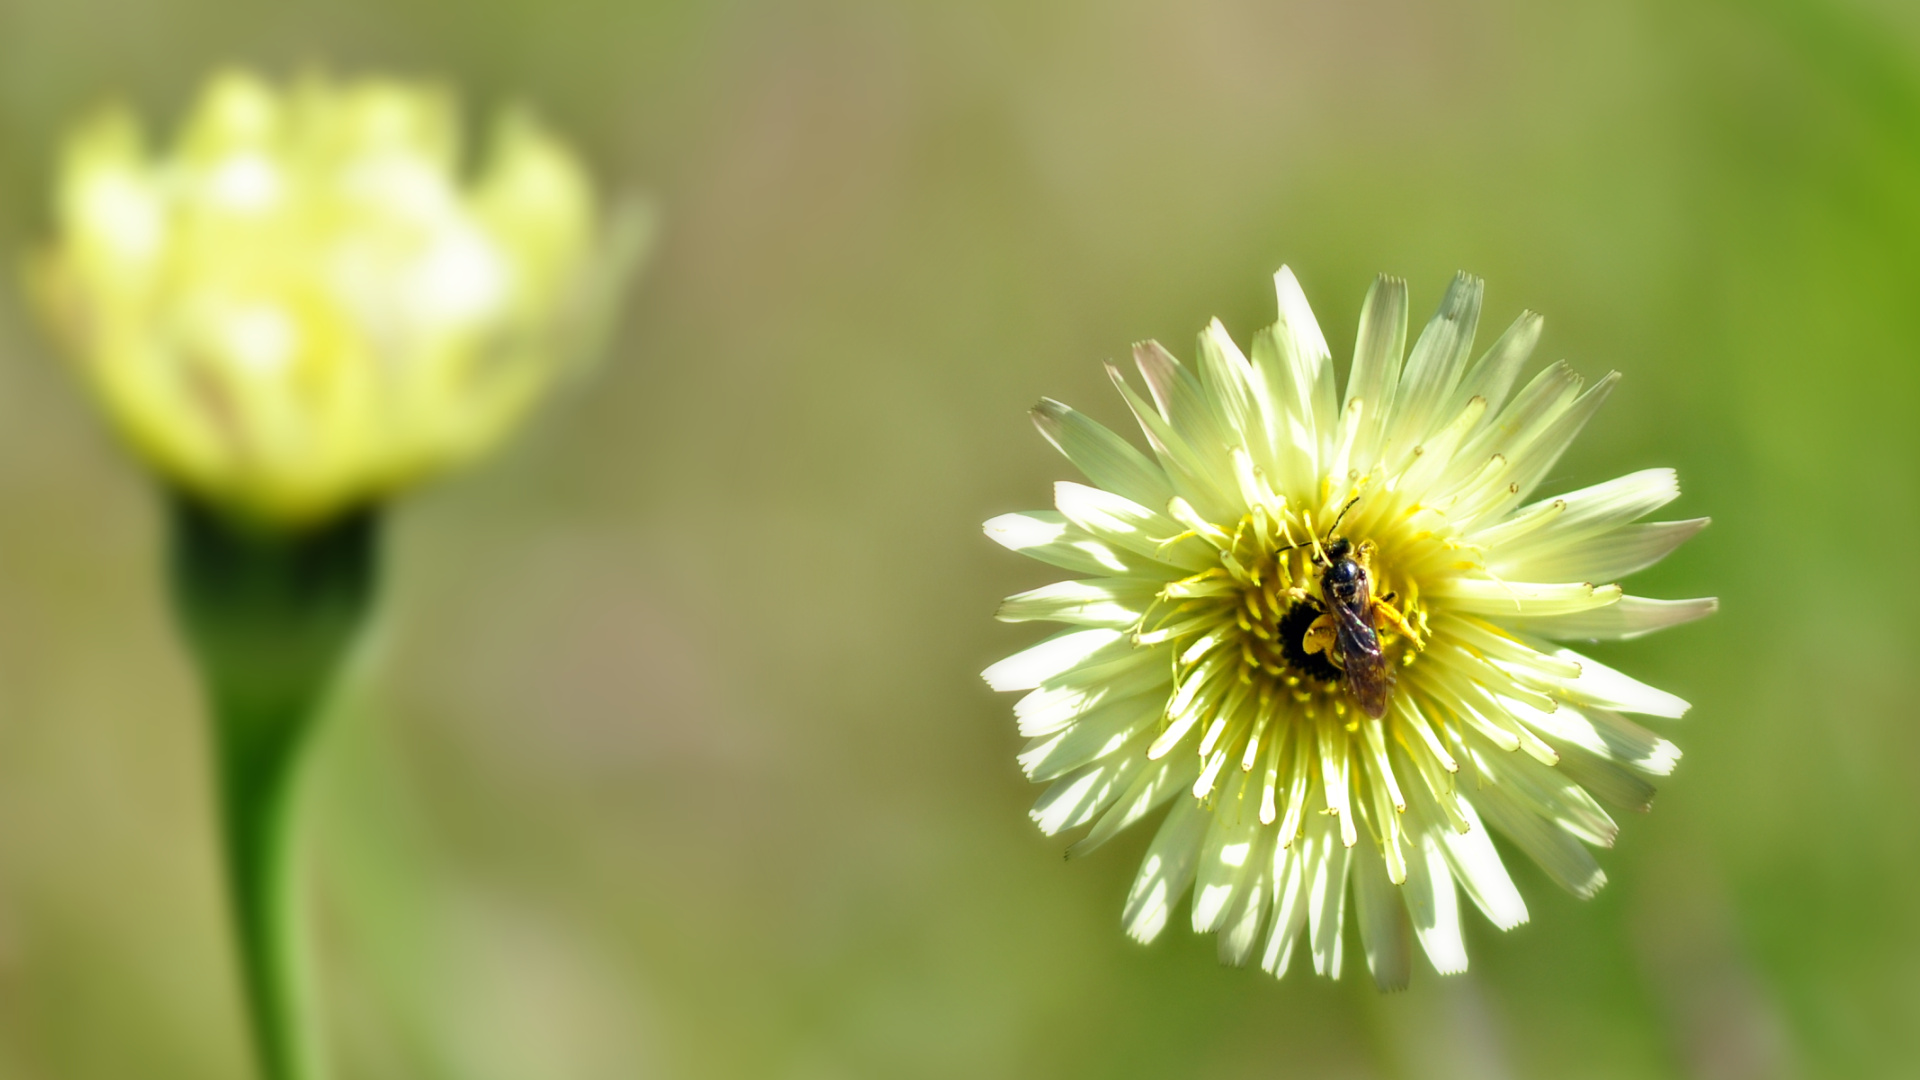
(669, 757)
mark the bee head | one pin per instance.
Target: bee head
(1339, 548)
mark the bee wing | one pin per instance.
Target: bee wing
(1355, 633)
(1368, 678)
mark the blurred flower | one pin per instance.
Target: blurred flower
(1206, 664)
(305, 304)
(300, 307)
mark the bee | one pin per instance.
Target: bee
(1348, 630)
(1346, 633)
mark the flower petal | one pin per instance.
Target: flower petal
(1076, 797)
(1191, 471)
(1589, 511)
(1289, 908)
(1477, 866)
(1565, 859)
(1433, 906)
(1602, 686)
(1535, 458)
(1167, 870)
(1060, 700)
(1608, 781)
(1048, 536)
(1550, 555)
(1549, 394)
(1100, 733)
(1122, 523)
(1226, 377)
(1386, 933)
(1240, 928)
(1434, 367)
(1492, 377)
(1151, 788)
(1326, 866)
(1055, 656)
(1377, 352)
(1517, 599)
(1114, 602)
(1104, 457)
(1228, 859)
(1632, 617)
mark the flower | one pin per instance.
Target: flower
(1315, 737)
(305, 304)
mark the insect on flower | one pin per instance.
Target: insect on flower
(1326, 625)
(1348, 631)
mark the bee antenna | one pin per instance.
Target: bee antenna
(1341, 516)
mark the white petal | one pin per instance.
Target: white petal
(1435, 365)
(1122, 523)
(1607, 780)
(1113, 602)
(1295, 440)
(1533, 452)
(1547, 792)
(1167, 870)
(1549, 394)
(1632, 617)
(1514, 599)
(1477, 866)
(1536, 457)
(1433, 906)
(1377, 351)
(1193, 475)
(1076, 797)
(1150, 789)
(1289, 908)
(1056, 656)
(1565, 859)
(1058, 701)
(1101, 732)
(1049, 537)
(1302, 330)
(1608, 735)
(1600, 685)
(1240, 929)
(1434, 455)
(1385, 931)
(1105, 458)
(1296, 368)
(1185, 405)
(1229, 861)
(1326, 865)
(1595, 509)
(1227, 377)
(1493, 376)
(1606, 557)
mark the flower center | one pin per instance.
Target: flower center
(1254, 628)
(1273, 614)
(1291, 631)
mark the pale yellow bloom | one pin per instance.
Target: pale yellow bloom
(309, 299)
(1190, 675)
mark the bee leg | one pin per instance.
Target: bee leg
(1365, 553)
(1383, 609)
(1320, 638)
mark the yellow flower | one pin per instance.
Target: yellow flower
(1327, 632)
(306, 303)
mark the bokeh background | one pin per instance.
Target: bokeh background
(669, 757)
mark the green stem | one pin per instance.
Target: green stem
(268, 615)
